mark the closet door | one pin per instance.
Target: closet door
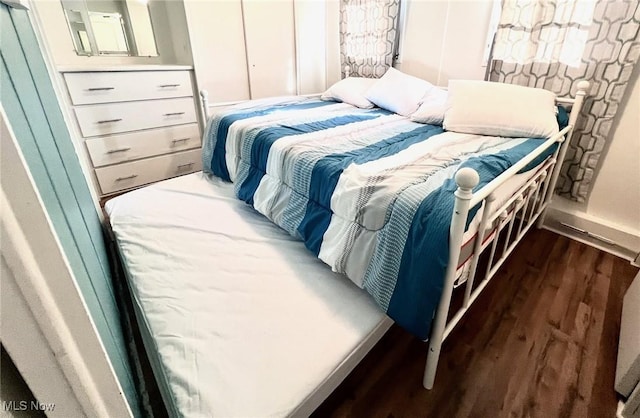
(217, 43)
(311, 45)
(270, 44)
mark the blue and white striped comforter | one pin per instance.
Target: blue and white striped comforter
(368, 191)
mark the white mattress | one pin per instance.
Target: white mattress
(238, 317)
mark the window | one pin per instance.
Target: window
(543, 31)
(369, 35)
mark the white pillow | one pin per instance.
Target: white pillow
(498, 109)
(433, 107)
(351, 90)
(398, 92)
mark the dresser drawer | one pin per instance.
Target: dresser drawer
(115, 118)
(126, 147)
(127, 175)
(106, 87)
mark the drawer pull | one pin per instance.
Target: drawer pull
(109, 121)
(174, 114)
(113, 151)
(100, 88)
(177, 141)
(187, 165)
(133, 176)
(164, 86)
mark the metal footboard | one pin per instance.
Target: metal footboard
(511, 222)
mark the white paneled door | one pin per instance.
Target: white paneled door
(217, 42)
(250, 49)
(271, 51)
(311, 45)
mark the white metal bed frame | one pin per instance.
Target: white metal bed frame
(524, 208)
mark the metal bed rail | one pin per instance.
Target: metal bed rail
(517, 215)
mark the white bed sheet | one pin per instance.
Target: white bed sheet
(239, 318)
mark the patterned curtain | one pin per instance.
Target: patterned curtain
(368, 36)
(553, 44)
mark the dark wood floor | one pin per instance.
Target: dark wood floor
(540, 342)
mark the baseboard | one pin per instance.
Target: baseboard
(599, 233)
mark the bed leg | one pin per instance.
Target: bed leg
(540, 221)
(432, 364)
(466, 179)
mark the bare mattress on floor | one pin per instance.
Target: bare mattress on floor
(238, 318)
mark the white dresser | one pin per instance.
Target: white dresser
(137, 126)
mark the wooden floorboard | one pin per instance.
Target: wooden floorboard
(541, 341)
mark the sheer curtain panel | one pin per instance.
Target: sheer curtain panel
(553, 44)
(368, 36)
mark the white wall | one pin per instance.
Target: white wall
(616, 190)
(445, 39)
(613, 208)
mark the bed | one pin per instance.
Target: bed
(239, 275)
(213, 299)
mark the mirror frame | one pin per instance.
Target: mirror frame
(84, 37)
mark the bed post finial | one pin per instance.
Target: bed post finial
(467, 178)
(347, 71)
(204, 99)
(583, 87)
(583, 91)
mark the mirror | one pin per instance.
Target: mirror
(110, 27)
